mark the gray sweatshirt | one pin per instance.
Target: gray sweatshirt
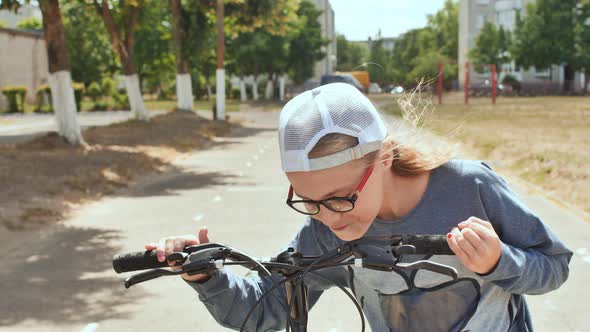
(533, 261)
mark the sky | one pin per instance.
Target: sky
(359, 19)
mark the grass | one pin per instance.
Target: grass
(543, 140)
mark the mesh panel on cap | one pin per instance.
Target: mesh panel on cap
(305, 123)
(349, 111)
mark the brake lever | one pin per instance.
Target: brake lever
(430, 266)
(148, 275)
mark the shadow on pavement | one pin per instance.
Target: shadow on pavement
(69, 280)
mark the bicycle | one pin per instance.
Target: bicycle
(383, 253)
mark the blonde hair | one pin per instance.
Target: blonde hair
(414, 150)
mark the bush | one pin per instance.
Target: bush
(513, 82)
(121, 101)
(108, 87)
(100, 106)
(32, 23)
(94, 91)
(78, 94)
(16, 98)
(43, 93)
(234, 94)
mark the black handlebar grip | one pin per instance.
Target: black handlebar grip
(429, 244)
(141, 260)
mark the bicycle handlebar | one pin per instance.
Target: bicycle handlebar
(378, 253)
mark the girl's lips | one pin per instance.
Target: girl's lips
(339, 228)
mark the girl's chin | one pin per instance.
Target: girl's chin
(349, 234)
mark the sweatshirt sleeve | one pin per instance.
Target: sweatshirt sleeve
(229, 296)
(534, 260)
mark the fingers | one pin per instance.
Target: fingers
(483, 232)
(459, 252)
(203, 235)
(475, 220)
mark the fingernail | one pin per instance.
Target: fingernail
(449, 236)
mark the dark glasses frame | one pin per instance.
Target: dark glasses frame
(326, 202)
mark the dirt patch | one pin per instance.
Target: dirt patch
(44, 178)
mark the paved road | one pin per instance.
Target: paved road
(60, 278)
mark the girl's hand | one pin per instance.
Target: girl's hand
(168, 245)
(476, 244)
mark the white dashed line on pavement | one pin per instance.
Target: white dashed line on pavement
(90, 327)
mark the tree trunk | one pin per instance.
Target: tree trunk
(60, 79)
(209, 93)
(282, 80)
(243, 95)
(255, 88)
(269, 92)
(220, 94)
(124, 48)
(184, 90)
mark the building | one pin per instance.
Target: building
(23, 61)
(23, 56)
(328, 64)
(472, 16)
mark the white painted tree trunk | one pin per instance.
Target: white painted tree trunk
(243, 95)
(255, 89)
(135, 100)
(282, 80)
(184, 92)
(64, 106)
(220, 95)
(269, 92)
(209, 93)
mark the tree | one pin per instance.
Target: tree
(154, 50)
(426, 66)
(582, 39)
(492, 45)
(545, 36)
(305, 46)
(445, 26)
(380, 60)
(350, 55)
(60, 80)
(120, 19)
(87, 41)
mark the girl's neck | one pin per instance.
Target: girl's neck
(401, 194)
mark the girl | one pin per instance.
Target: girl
(350, 179)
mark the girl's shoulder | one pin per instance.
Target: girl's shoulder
(469, 172)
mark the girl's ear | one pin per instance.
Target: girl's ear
(386, 154)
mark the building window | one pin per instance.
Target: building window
(506, 19)
(481, 20)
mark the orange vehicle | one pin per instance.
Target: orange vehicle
(362, 76)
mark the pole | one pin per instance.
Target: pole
(494, 83)
(220, 73)
(440, 82)
(466, 82)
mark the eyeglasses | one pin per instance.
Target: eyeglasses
(336, 204)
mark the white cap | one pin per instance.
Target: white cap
(331, 108)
